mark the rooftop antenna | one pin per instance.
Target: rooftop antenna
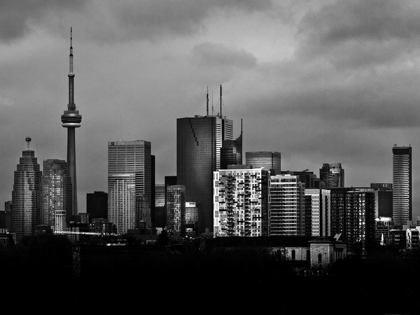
(207, 100)
(28, 141)
(221, 100)
(212, 109)
(120, 130)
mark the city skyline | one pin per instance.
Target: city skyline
(305, 83)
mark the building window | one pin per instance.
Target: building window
(319, 258)
(308, 254)
(293, 254)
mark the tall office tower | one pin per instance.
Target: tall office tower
(175, 209)
(199, 143)
(129, 182)
(71, 120)
(402, 185)
(97, 205)
(25, 195)
(56, 192)
(269, 160)
(353, 216)
(384, 199)
(241, 201)
(287, 211)
(332, 174)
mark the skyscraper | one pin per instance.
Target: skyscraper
(402, 185)
(199, 144)
(56, 192)
(353, 216)
(332, 174)
(71, 120)
(25, 195)
(129, 183)
(267, 159)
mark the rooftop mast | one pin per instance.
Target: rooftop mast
(207, 100)
(221, 101)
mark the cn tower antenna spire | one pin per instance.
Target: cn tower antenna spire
(71, 50)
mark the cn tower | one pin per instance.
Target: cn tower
(71, 120)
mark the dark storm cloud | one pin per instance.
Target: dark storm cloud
(151, 19)
(210, 54)
(112, 21)
(359, 33)
(374, 100)
(16, 16)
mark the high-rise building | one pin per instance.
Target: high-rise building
(56, 192)
(332, 174)
(71, 120)
(26, 194)
(199, 144)
(175, 208)
(129, 183)
(241, 201)
(353, 216)
(384, 199)
(287, 210)
(402, 185)
(97, 205)
(269, 160)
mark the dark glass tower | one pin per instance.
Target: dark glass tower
(402, 185)
(56, 191)
(199, 144)
(332, 174)
(25, 195)
(97, 205)
(267, 159)
(71, 120)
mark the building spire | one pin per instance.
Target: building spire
(71, 104)
(71, 50)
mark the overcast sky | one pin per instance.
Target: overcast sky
(318, 81)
